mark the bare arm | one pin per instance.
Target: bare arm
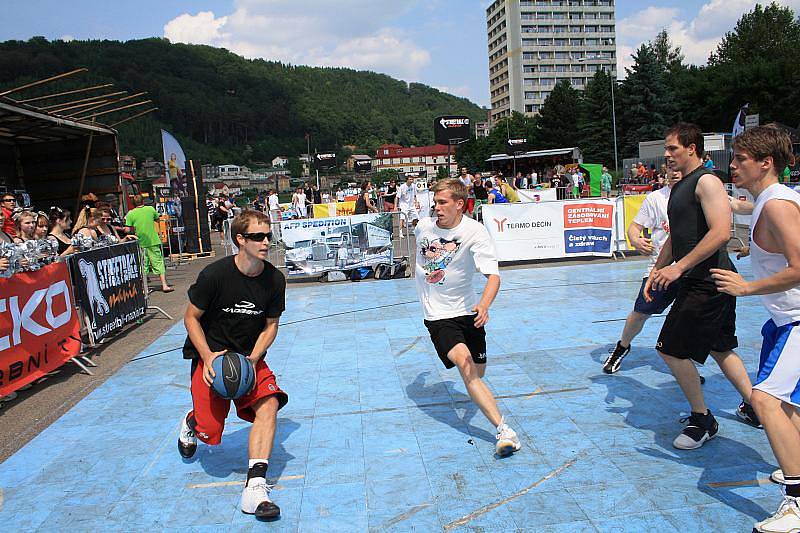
(741, 207)
(783, 224)
(643, 245)
(191, 319)
(487, 297)
(717, 210)
(264, 340)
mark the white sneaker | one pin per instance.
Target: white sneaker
(255, 499)
(785, 520)
(507, 440)
(187, 440)
(777, 477)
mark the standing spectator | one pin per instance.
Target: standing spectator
(481, 195)
(326, 196)
(42, 225)
(274, 207)
(9, 203)
(390, 198)
(24, 226)
(60, 224)
(534, 181)
(4, 237)
(641, 172)
(509, 190)
(605, 183)
(309, 200)
(364, 203)
(299, 203)
(143, 219)
(339, 194)
(407, 203)
(708, 162)
(317, 196)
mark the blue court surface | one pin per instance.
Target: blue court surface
(377, 436)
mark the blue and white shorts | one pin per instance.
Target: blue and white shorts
(779, 368)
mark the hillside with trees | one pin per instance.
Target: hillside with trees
(228, 109)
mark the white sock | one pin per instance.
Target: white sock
(251, 462)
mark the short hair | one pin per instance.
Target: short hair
(766, 141)
(457, 189)
(688, 133)
(242, 222)
(488, 184)
(137, 200)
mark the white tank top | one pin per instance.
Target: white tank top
(784, 307)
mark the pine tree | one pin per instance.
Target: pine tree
(595, 128)
(557, 124)
(645, 101)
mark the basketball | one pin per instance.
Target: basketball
(234, 375)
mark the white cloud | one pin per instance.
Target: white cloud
(345, 33)
(461, 90)
(697, 37)
(67, 37)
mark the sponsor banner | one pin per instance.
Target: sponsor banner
(630, 207)
(39, 326)
(334, 209)
(537, 195)
(318, 245)
(548, 230)
(108, 286)
(451, 129)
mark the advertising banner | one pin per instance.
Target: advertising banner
(334, 209)
(175, 163)
(39, 326)
(109, 286)
(631, 204)
(550, 229)
(314, 246)
(451, 129)
(537, 195)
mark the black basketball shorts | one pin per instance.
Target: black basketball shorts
(448, 332)
(701, 320)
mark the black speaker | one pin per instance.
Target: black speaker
(191, 229)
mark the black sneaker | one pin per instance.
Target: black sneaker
(748, 415)
(615, 359)
(699, 429)
(187, 440)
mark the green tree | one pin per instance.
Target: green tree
(595, 128)
(645, 101)
(474, 153)
(295, 167)
(557, 124)
(762, 34)
(442, 173)
(668, 55)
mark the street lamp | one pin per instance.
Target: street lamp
(613, 107)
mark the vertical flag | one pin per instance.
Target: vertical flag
(738, 125)
(174, 161)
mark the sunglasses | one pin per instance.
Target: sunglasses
(258, 237)
(106, 219)
(9, 200)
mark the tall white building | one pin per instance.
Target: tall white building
(534, 44)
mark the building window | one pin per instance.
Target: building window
(531, 95)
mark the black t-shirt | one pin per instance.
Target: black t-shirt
(391, 194)
(236, 307)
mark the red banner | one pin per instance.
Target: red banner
(39, 326)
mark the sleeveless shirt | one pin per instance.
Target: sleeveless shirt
(784, 307)
(688, 226)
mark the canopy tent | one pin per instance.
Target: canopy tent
(45, 154)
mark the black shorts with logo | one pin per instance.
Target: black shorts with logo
(448, 332)
(701, 320)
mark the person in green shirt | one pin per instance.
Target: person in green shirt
(605, 183)
(786, 176)
(143, 219)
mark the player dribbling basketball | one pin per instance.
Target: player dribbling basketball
(235, 304)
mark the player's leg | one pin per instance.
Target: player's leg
(206, 420)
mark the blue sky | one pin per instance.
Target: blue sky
(438, 42)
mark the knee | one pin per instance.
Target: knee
(266, 408)
(763, 402)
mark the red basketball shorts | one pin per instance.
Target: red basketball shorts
(211, 410)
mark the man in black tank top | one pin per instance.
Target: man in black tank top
(701, 320)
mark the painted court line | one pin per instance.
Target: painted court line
(234, 483)
(401, 517)
(483, 510)
(745, 483)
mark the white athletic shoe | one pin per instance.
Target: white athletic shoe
(777, 477)
(785, 520)
(187, 440)
(507, 440)
(255, 499)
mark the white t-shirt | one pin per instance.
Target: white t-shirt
(274, 202)
(340, 196)
(406, 195)
(653, 215)
(447, 260)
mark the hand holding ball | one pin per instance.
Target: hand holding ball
(234, 375)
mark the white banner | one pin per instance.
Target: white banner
(317, 245)
(537, 195)
(550, 230)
